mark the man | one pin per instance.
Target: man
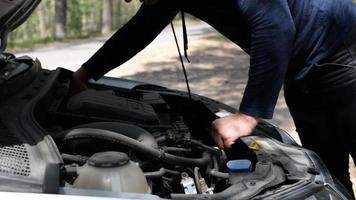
(306, 44)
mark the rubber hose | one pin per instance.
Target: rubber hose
(91, 133)
(197, 178)
(206, 147)
(160, 173)
(129, 130)
(74, 158)
(218, 174)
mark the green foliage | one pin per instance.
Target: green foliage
(83, 17)
(83, 20)
(123, 12)
(21, 44)
(39, 25)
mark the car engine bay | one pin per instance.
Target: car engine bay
(122, 136)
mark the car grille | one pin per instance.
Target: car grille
(14, 157)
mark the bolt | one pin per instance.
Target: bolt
(264, 162)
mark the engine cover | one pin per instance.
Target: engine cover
(107, 104)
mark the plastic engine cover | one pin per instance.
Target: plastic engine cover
(107, 104)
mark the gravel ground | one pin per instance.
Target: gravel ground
(218, 69)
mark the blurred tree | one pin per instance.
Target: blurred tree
(61, 16)
(84, 18)
(61, 19)
(123, 11)
(107, 14)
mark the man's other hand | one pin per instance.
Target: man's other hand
(78, 82)
(227, 130)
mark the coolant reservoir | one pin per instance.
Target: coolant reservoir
(111, 171)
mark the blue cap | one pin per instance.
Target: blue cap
(239, 166)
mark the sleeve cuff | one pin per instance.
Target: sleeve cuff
(257, 111)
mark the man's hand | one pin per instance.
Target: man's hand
(228, 129)
(78, 82)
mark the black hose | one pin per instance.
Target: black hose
(161, 172)
(92, 133)
(176, 149)
(74, 158)
(215, 171)
(197, 178)
(205, 147)
(129, 130)
(218, 174)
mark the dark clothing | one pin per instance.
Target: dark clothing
(286, 40)
(279, 35)
(323, 106)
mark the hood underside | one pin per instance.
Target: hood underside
(12, 14)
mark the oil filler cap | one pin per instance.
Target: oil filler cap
(108, 159)
(239, 166)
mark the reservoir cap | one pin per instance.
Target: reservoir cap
(239, 166)
(108, 159)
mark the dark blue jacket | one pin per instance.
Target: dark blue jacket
(284, 38)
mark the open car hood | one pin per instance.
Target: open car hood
(12, 14)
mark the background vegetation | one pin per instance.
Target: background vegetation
(68, 19)
(55, 20)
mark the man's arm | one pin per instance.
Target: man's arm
(141, 30)
(272, 38)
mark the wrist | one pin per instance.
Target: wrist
(249, 118)
(250, 123)
(81, 75)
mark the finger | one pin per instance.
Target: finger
(220, 143)
(228, 144)
(218, 140)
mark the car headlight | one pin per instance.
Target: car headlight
(327, 193)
